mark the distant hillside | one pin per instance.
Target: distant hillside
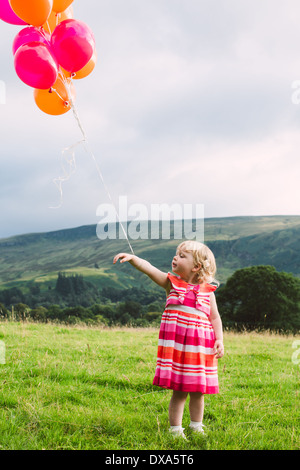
(236, 241)
(279, 249)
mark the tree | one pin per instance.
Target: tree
(261, 297)
(128, 311)
(3, 311)
(63, 284)
(11, 296)
(39, 314)
(78, 312)
(21, 311)
(54, 312)
(112, 293)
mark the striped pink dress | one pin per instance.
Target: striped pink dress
(185, 358)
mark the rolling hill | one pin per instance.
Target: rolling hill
(236, 241)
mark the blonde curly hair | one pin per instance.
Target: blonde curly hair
(203, 257)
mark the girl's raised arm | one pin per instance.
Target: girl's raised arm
(145, 267)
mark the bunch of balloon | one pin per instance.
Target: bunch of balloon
(51, 50)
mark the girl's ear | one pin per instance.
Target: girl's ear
(197, 268)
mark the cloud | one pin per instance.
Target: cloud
(190, 102)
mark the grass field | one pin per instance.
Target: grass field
(91, 388)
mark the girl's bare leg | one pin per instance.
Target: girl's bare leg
(196, 406)
(176, 407)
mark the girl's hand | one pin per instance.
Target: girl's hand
(219, 349)
(145, 267)
(123, 257)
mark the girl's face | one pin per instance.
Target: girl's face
(183, 265)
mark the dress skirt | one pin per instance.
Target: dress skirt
(185, 357)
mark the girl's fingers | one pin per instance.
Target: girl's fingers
(116, 258)
(124, 257)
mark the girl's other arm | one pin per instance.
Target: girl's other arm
(145, 267)
(217, 326)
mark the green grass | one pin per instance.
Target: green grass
(91, 388)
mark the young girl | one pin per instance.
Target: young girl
(190, 336)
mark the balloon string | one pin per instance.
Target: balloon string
(67, 174)
(59, 181)
(85, 145)
(42, 29)
(55, 91)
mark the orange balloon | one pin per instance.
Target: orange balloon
(55, 101)
(61, 5)
(87, 69)
(65, 73)
(84, 72)
(34, 12)
(56, 18)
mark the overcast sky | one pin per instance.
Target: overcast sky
(191, 102)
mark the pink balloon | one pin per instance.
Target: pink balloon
(8, 15)
(36, 65)
(29, 34)
(73, 43)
